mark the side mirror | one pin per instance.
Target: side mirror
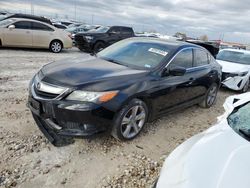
(11, 27)
(174, 71)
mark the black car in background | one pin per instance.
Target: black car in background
(102, 37)
(121, 88)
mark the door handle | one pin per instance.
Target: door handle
(191, 79)
(28, 32)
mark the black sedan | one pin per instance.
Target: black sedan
(121, 88)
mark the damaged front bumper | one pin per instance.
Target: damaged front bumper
(234, 81)
(68, 118)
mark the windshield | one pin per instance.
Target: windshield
(4, 23)
(100, 30)
(235, 57)
(240, 122)
(146, 55)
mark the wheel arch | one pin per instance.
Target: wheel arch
(146, 100)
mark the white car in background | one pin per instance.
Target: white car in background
(235, 69)
(216, 158)
(21, 32)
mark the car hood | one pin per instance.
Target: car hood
(230, 67)
(83, 72)
(216, 158)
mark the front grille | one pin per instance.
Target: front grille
(44, 94)
(227, 75)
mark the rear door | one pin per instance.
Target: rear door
(20, 36)
(42, 35)
(202, 73)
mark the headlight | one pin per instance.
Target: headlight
(243, 73)
(88, 96)
(89, 38)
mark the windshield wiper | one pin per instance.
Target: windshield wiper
(113, 61)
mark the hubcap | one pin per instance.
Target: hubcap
(133, 121)
(56, 47)
(212, 95)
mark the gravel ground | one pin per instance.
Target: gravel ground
(28, 160)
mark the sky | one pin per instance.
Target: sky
(218, 19)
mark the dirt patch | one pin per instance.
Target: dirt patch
(28, 160)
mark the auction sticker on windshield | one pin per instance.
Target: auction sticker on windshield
(157, 51)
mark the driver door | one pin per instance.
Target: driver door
(21, 35)
(174, 91)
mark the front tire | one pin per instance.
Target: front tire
(56, 46)
(130, 120)
(210, 97)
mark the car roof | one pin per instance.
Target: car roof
(32, 20)
(28, 16)
(120, 26)
(170, 43)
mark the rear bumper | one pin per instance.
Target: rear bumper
(68, 44)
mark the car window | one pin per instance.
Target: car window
(41, 27)
(183, 59)
(115, 29)
(239, 121)
(126, 30)
(200, 58)
(23, 25)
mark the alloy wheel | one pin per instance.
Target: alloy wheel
(133, 121)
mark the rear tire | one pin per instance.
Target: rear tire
(130, 120)
(98, 46)
(56, 46)
(210, 97)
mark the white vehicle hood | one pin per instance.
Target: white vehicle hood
(216, 158)
(230, 67)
